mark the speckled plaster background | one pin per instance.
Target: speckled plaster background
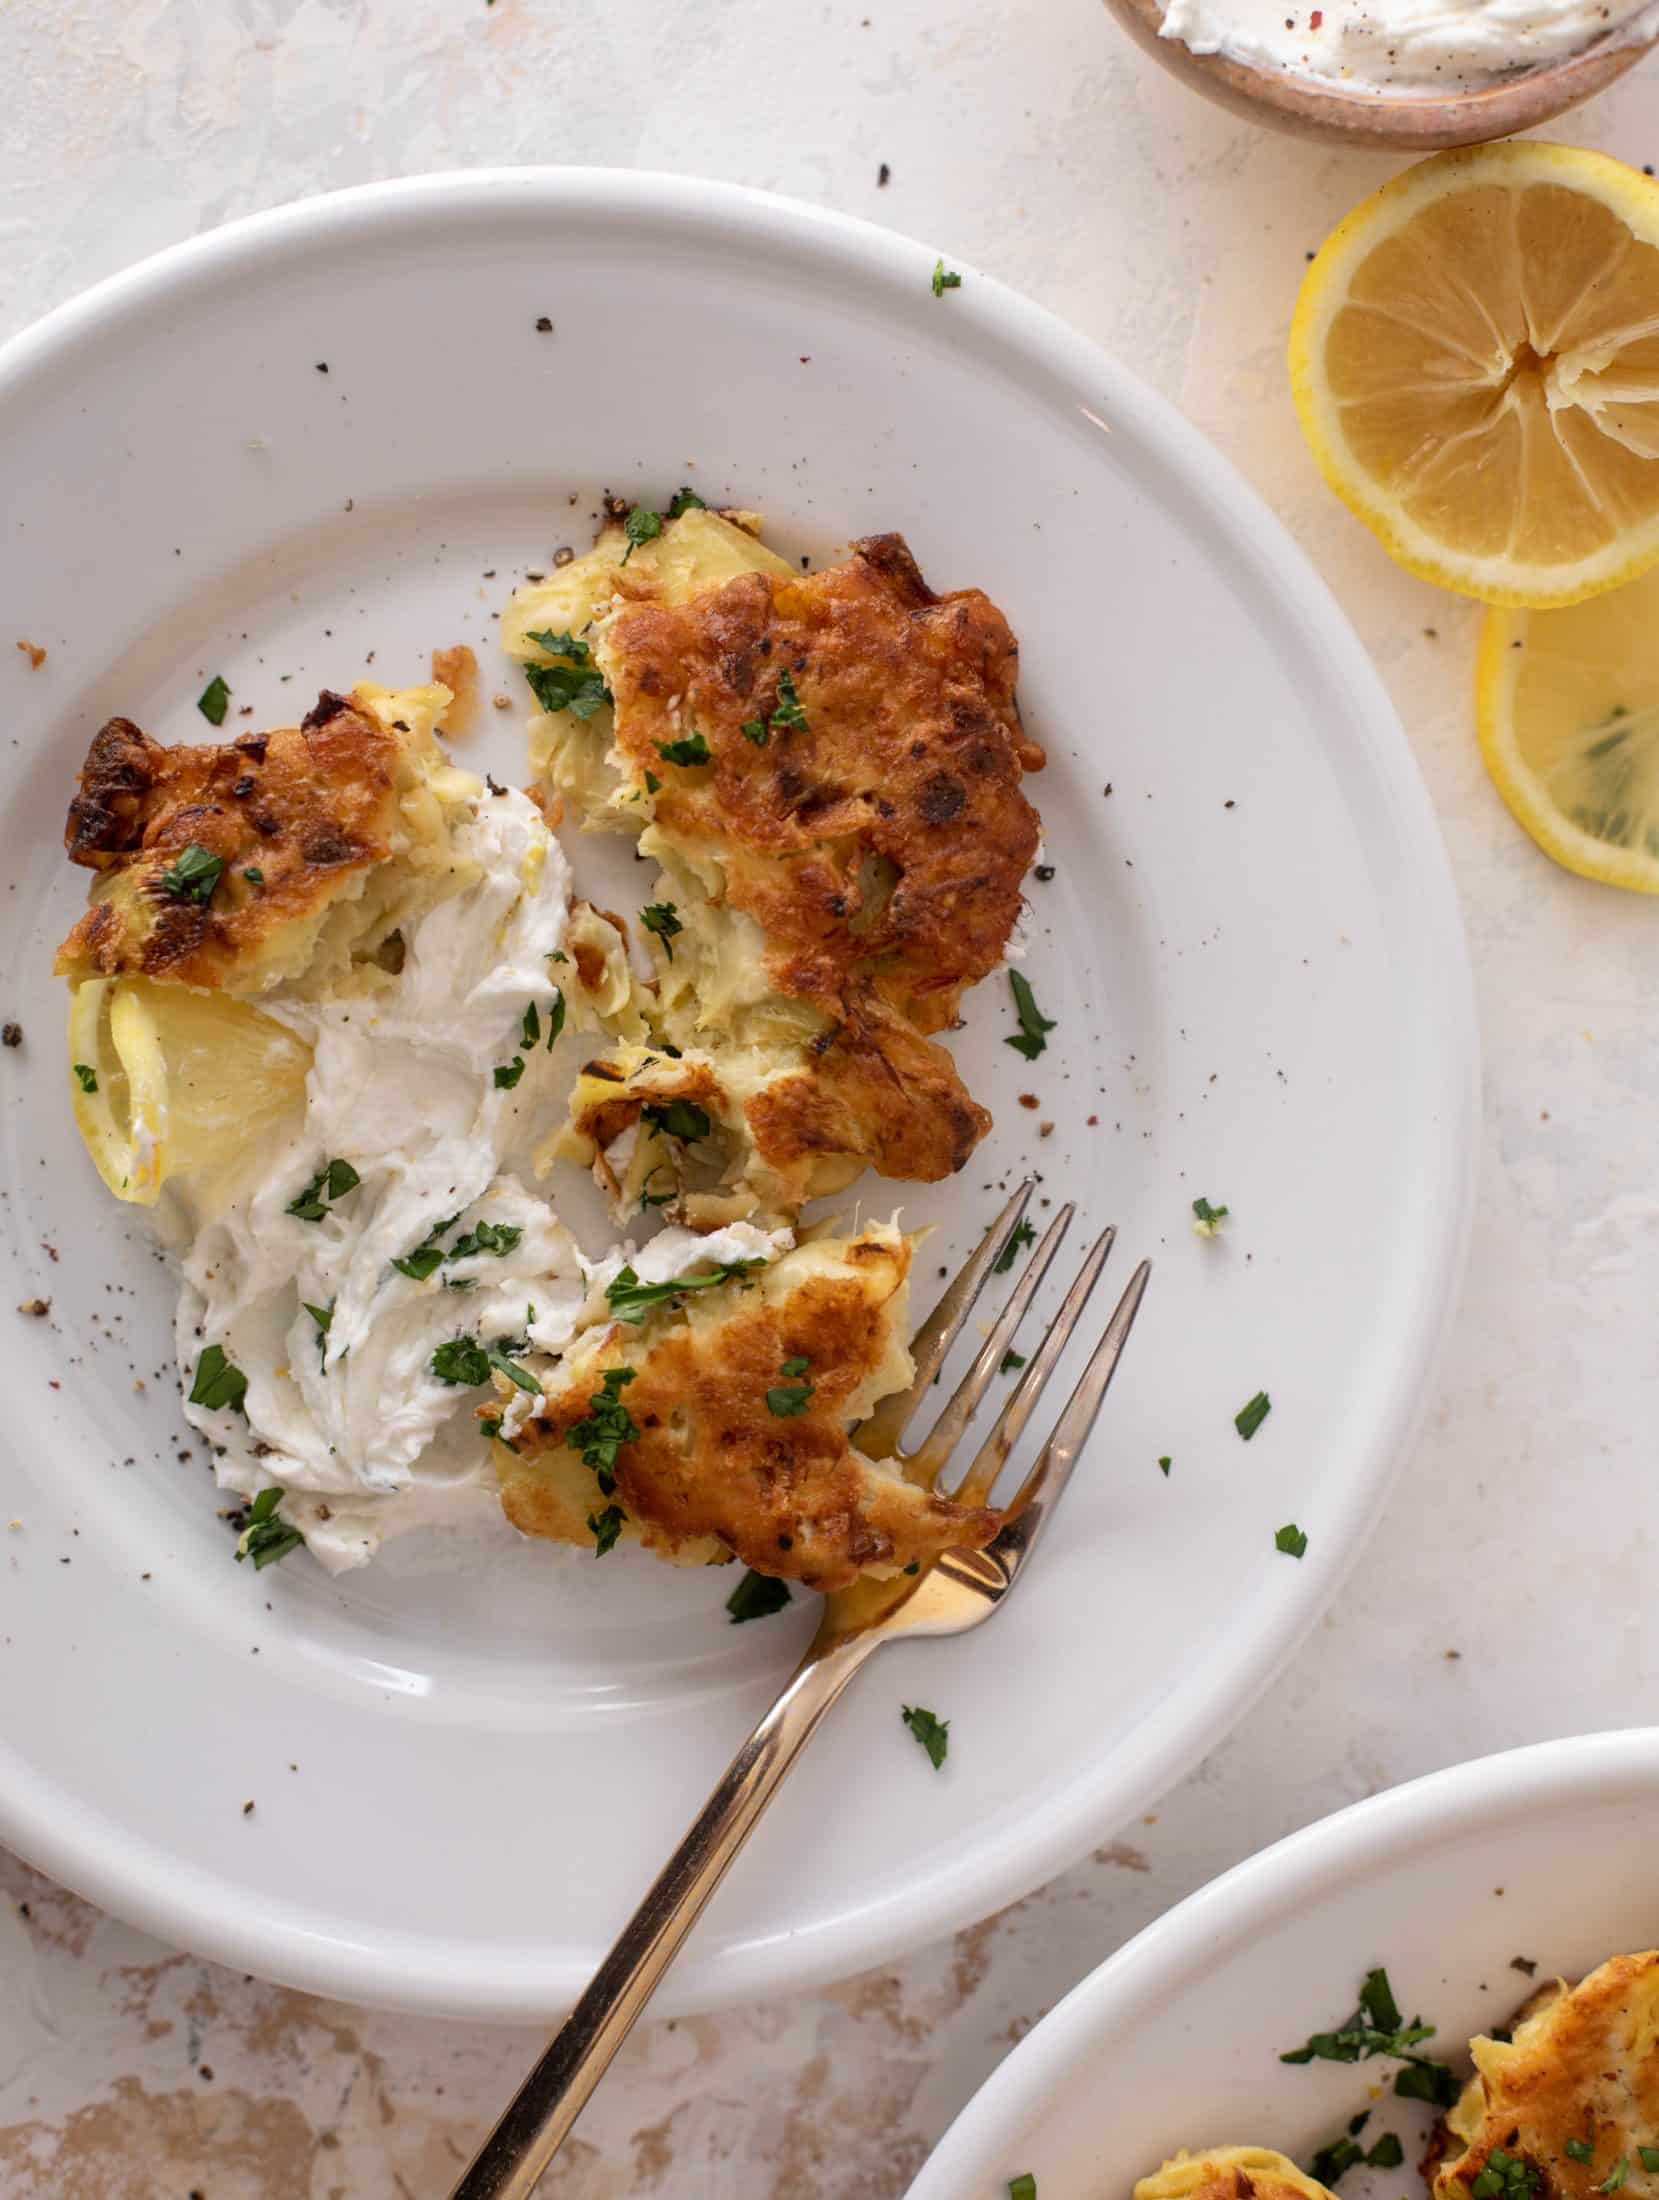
(1024, 136)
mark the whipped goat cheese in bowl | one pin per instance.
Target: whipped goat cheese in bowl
(1410, 75)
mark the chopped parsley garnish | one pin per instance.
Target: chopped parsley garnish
(1029, 1040)
(323, 1316)
(1164, 1465)
(1610, 2183)
(1577, 2150)
(465, 1362)
(1649, 2158)
(1374, 2029)
(796, 1364)
(1019, 1237)
(685, 500)
(219, 1385)
(507, 1074)
(944, 278)
(86, 1076)
(567, 687)
(788, 711)
(1010, 1361)
(682, 1119)
(640, 526)
(630, 1300)
(555, 1018)
(1023, 2187)
(787, 1399)
(486, 1237)
(559, 645)
(932, 1733)
(690, 749)
(608, 1427)
(1507, 2177)
(605, 1527)
(1434, 2082)
(757, 1596)
(1207, 1220)
(331, 1182)
(193, 875)
(1333, 2162)
(266, 1538)
(1250, 1417)
(754, 729)
(428, 1255)
(214, 700)
(531, 1026)
(1291, 1540)
(652, 782)
(663, 918)
(254, 875)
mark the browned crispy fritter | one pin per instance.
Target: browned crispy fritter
(882, 846)
(1582, 2066)
(1230, 2173)
(310, 807)
(712, 1468)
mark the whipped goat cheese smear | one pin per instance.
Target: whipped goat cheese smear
(1385, 46)
(342, 1407)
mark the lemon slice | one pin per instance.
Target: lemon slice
(1567, 704)
(167, 1081)
(1475, 361)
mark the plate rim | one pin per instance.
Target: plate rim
(1249, 1899)
(421, 1972)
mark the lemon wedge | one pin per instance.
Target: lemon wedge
(1567, 706)
(167, 1081)
(1475, 361)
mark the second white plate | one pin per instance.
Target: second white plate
(340, 430)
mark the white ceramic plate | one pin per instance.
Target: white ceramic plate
(1249, 943)
(1544, 1855)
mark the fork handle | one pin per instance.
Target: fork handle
(510, 2164)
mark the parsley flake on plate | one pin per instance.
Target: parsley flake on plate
(932, 1733)
(1009, 1362)
(1023, 2187)
(266, 1538)
(757, 1596)
(662, 918)
(507, 1074)
(944, 278)
(86, 1076)
(555, 1018)
(1019, 1237)
(640, 526)
(192, 875)
(608, 1427)
(1029, 1039)
(1207, 1220)
(683, 501)
(214, 700)
(1291, 1540)
(605, 1527)
(219, 1385)
(1251, 1415)
(1164, 1465)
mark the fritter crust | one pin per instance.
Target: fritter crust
(1230, 2173)
(881, 847)
(1583, 2067)
(712, 1468)
(310, 809)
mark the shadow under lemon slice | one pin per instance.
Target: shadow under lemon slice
(1474, 359)
(1567, 708)
(167, 1080)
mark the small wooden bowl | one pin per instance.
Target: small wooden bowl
(1402, 122)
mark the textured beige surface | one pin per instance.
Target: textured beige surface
(1028, 137)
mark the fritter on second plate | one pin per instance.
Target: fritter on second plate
(828, 769)
(1230, 2173)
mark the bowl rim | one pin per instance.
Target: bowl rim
(1252, 1898)
(440, 1975)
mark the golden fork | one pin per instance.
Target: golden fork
(956, 1592)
